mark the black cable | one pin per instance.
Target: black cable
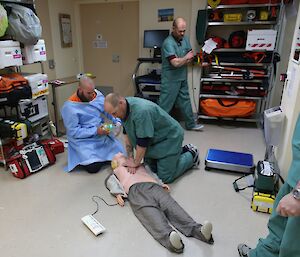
(96, 196)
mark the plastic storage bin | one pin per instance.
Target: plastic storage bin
(10, 54)
(34, 53)
(39, 84)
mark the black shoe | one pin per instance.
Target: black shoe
(194, 151)
(243, 250)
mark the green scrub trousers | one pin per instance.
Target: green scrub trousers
(284, 232)
(164, 152)
(177, 93)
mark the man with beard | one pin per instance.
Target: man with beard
(90, 145)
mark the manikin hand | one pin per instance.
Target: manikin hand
(131, 165)
(288, 206)
(120, 200)
(166, 187)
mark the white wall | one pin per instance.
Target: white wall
(291, 107)
(66, 59)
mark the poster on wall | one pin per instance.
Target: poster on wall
(65, 30)
(165, 14)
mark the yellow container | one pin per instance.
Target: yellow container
(262, 202)
(263, 15)
(21, 130)
(233, 17)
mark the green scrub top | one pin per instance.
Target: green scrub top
(171, 47)
(147, 120)
(294, 172)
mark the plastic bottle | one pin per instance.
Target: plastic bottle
(109, 127)
(115, 129)
(52, 128)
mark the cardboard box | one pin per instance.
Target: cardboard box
(33, 109)
(38, 83)
(34, 53)
(262, 39)
(10, 54)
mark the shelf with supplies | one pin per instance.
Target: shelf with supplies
(239, 23)
(236, 77)
(148, 85)
(239, 6)
(25, 147)
(23, 96)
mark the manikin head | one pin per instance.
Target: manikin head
(178, 29)
(86, 88)
(115, 105)
(118, 160)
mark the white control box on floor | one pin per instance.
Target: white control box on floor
(273, 125)
(33, 109)
(38, 83)
(10, 54)
(34, 53)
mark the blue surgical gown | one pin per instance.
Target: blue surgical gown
(85, 146)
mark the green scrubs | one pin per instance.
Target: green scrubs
(148, 120)
(174, 88)
(283, 238)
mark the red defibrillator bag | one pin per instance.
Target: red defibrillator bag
(30, 159)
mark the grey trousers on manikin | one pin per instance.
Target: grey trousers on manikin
(155, 208)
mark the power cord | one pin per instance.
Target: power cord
(97, 204)
(193, 89)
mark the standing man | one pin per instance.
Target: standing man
(89, 144)
(176, 54)
(284, 223)
(155, 135)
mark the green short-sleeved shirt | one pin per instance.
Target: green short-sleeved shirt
(148, 120)
(171, 47)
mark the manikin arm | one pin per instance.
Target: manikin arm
(120, 200)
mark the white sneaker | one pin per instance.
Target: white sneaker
(175, 241)
(197, 127)
(206, 230)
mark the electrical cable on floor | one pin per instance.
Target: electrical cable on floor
(97, 204)
(195, 105)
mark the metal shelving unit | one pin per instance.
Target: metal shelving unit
(239, 6)
(30, 4)
(240, 23)
(211, 77)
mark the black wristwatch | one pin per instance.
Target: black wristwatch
(296, 193)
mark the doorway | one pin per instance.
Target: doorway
(110, 41)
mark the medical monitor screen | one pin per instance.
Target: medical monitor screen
(154, 38)
(34, 160)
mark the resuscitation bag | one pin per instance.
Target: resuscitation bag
(3, 21)
(228, 107)
(24, 26)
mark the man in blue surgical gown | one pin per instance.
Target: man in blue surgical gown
(90, 145)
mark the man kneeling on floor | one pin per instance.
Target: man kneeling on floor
(153, 205)
(90, 145)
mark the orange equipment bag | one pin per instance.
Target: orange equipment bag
(227, 107)
(9, 82)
